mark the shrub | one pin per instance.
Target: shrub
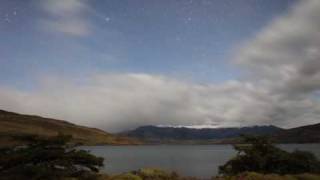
(258, 154)
(50, 158)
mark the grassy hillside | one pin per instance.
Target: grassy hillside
(13, 127)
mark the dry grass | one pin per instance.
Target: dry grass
(14, 125)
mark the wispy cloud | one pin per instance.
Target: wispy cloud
(69, 17)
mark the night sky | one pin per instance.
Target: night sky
(121, 64)
(190, 39)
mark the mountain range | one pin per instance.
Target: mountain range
(156, 134)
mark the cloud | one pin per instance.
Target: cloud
(286, 54)
(121, 101)
(281, 87)
(68, 17)
(284, 59)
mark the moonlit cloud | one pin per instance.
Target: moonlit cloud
(284, 59)
(286, 54)
(281, 86)
(67, 17)
(122, 101)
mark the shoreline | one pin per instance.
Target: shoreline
(183, 144)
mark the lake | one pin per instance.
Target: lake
(188, 160)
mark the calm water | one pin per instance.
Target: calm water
(193, 160)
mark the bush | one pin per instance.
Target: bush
(258, 154)
(50, 158)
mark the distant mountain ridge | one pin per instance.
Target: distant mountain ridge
(14, 126)
(182, 133)
(177, 135)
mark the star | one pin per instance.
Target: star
(107, 19)
(203, 54)
(190, 2)
(7, 19)
(187, 20)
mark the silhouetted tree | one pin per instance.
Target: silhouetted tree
(258, 154)
(50, 158)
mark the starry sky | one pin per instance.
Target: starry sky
(185, 38)
(120, 64)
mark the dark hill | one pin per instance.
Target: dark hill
(303, 134)
(14, 126)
